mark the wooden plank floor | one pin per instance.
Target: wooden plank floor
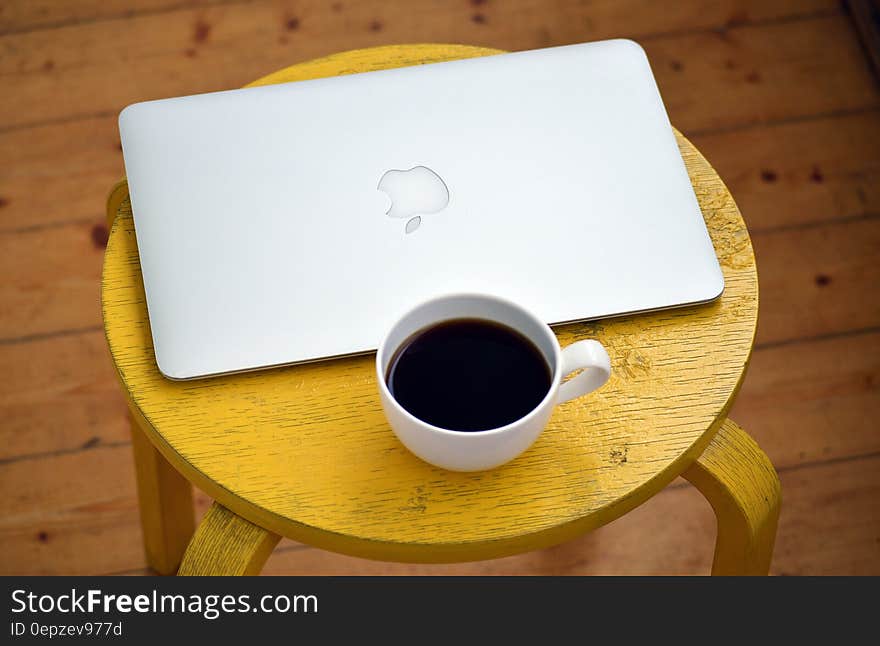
(779, 95)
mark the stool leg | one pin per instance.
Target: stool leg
(740, 483)
(166, 504)
(164, 496)
(227, 544)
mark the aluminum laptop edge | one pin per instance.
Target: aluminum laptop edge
(295, 222)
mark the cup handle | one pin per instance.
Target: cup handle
(590, 357)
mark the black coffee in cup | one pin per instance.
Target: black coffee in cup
(468, 375)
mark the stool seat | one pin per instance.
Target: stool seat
(305, 451)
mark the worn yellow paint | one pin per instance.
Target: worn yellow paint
(165, 497)
(165, 502)
(306, 453)
(227, 544)
(737, 479)
(118, 194)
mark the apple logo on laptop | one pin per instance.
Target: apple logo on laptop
(415, 192)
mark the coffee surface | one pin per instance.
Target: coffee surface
(468, 375)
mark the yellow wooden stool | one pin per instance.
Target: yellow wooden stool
(305, 451)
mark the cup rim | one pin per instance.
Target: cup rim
(551, 392)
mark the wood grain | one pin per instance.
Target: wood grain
(813, 401)
(866, 16)
(73, 513)
(784, 175)
(758, 73)
(351, 502)
(51, 280)
(55, 269)
(734, 475)
(69, 513)
(44, 521)
(61, 174)
(762, 74)
(227, 544)
(816, 278)
(672, 533)
(740, 483)
(603, 17)
(59, 395)
(828, 526)
(829, 522)
(62, 170)
(792, 174)
(26, 15)
(62, 395)
(64, 293)
(804, 401)
(165, 502)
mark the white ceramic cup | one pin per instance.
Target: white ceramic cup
(479, 450)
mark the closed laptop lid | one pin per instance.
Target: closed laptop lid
(295, 222)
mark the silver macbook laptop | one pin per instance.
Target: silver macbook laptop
(296, 222)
